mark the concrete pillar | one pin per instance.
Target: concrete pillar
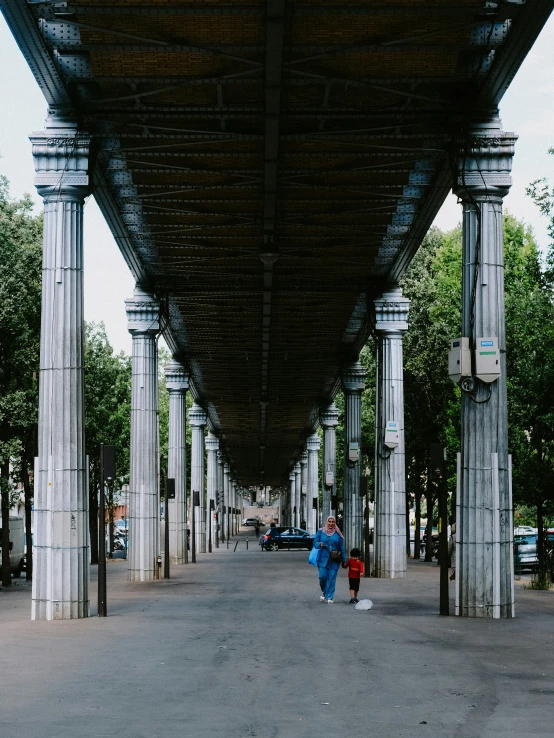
(212, 446)
(391, 315)
(329, 419)
(61, 551)
(484, 528)
(220, 516)
(177, 383)
(144, 502)
(197, 420)
(291, 497)
(353, 382)
(226, 503)
(297, 494)
(313, 444)
(304, 490)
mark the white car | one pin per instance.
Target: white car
(251, 522)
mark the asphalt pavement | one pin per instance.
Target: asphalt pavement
(239, 645)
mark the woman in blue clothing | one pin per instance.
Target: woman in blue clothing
(332, 554)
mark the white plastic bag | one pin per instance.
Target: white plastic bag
(364, 605)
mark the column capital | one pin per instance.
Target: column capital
(143, 313)
(176, 377)
(313, 443)
(329, 416)
(391, 311)
(61, 157)
(304, 459)
(292, 476)
(297, 468)
(220, 457)
(484, 162)
(353, 379)
(212, 442)
(197, 416)
(226, 468)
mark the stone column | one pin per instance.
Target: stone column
(144, 502)
(226, 503)
(313, 443)
(303, 489)
(292, 497)
(233, 503)
(197, 420)
(484, 528)
(391, 315)
(297, 493)
(177, 383)
(353, 382)
(329, 419)
(212, 446)
(220, 516)
(61, 567)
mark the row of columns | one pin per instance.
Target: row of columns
(484, 579)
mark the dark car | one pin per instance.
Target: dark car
(276, 538)
(525, 551)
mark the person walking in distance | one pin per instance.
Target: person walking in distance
(330, 541)
(355, 570)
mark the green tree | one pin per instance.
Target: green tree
(20, 300)
(107, 414)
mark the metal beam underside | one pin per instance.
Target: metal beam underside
(316, 134)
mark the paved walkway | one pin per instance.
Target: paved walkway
(238, 645)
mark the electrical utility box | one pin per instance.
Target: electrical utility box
(392, 435)
(459, 360)
(354, 451)
(487, 359)
(329, 479)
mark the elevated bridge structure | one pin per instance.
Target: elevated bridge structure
(268, 170)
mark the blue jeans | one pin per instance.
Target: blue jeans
(327, 581)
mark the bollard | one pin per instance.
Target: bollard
(236, 544)
(247, 544)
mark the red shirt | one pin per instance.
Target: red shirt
(355, 568)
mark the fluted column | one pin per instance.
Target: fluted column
(292, 497)
(226, 503)
(329, 419)
(233, 503)
(220, 516)
(212, 446)
(177, 383)
(297, 494)
(303, 489)
(353, 382)
(144, 504)
(197, 420)
(312, 445)
(61, 550)
(391, 315)
(484, 529)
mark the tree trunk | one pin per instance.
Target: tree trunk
(429, 529)
(93, 515)
(541, 548)
(28, 519)
(417, 531)
(4, 481)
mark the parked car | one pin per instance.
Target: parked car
(279, 537)
(525, 551)
(523, 530)
(252, 522)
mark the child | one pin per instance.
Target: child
(355, 571)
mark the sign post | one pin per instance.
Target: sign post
(438, 474)
(107, 475)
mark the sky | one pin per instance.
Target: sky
(527, 110)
